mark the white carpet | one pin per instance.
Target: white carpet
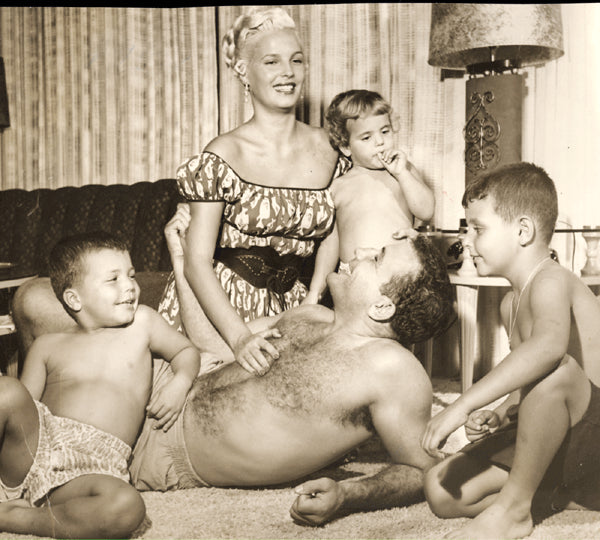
(213, 513)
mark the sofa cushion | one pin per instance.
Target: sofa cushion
(33, 221)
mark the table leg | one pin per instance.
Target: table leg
(466, 299)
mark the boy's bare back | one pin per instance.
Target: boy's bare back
(102, 378)
(584, 337)
(370, 208)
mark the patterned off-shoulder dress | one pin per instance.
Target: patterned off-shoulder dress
(288, 220)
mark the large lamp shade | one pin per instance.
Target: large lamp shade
(491, 42)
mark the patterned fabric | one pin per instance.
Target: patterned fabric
(33, 221)
(290, 220)
(68, 449)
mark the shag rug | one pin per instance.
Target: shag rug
(214, 513)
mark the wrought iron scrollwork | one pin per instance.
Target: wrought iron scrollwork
(481, 133)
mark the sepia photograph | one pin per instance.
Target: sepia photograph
(301, 271)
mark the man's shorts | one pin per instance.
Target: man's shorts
(160, 460)
(573, 475)
(68, 449)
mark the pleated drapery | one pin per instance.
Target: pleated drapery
(105, 95)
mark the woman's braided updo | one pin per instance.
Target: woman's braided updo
(248, 24)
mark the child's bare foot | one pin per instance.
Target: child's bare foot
(496, 522)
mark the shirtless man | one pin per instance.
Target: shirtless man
(341, 377)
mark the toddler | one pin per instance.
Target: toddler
(381, 194)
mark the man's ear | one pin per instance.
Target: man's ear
(382, 310)
(71, 299)
(346, 151)
(526, 230)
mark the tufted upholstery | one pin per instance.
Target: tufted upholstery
(33, 221)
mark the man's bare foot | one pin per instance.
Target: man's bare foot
(496, 522)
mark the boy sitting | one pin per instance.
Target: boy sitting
(382, 193)
(67, 427)
(552, 373)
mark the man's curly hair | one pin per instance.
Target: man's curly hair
(425, 301)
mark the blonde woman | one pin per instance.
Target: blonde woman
(258, 198)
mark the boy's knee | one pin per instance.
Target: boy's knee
(439, 500)
(126, 511)
(13, 394)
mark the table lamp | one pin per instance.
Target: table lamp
(491, 42)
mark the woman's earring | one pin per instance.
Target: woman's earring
(246, 92)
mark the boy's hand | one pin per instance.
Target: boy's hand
(481, 423)
(167, 403)
(176, 228)
(248, 351)
(394, 161)
(440, 427)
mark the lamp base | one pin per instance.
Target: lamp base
(493, 123)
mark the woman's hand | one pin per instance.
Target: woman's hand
(175, 231)
(249, 349)
(312, 297)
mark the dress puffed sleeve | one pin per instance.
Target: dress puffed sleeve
(206, 177)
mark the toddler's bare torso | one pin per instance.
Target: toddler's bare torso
(370, 207)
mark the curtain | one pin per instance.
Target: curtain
(105, 95)
(377, 46)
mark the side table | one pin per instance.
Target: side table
(11, 276)
(467, 291)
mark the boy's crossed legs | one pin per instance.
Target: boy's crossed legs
(500, 502)
(90, 506)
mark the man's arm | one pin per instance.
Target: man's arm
(324, 499)
(400, 396)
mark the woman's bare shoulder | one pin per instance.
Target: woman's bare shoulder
(225, 145)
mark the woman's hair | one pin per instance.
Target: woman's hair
(248, 24)
(65, 263)
(351, 105)
(518, 189)
(424, 301)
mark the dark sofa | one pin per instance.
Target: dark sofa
(33, 221)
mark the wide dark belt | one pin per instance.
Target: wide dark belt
(262, 267)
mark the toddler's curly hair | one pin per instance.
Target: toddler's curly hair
(351, 105)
